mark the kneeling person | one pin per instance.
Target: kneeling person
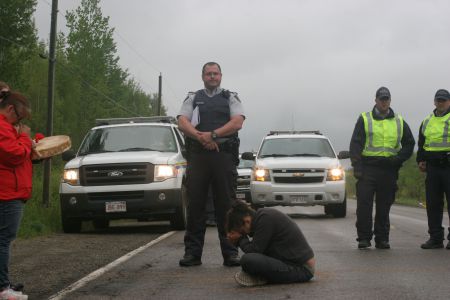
(278, 251)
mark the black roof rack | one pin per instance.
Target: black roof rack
(295, 132)
(155, 119)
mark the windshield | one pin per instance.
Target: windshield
(288, 147)
(246, 164)
(129, 138)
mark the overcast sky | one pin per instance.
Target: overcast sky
(302, 64)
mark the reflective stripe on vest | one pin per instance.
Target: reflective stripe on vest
(383, 137)
(435, 130)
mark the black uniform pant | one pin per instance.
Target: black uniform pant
(205, 169)
(381, 183)
(437, 184)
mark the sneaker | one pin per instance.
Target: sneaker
(10, 294)
(382, 245)
(364, 244)
(245, 279)
(448, 245)
(432, 244)
(189, 260)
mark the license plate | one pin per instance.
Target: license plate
(299, 199)
(240, 196)
(116, 206)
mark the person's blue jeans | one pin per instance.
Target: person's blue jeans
(274, 270)
(10, 216)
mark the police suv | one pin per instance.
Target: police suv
(244, 170)
(126, 168)
(298, 168)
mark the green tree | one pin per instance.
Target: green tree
(18, 40)
(99, 88)
(91, 55)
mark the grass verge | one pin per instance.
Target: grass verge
(38, 219)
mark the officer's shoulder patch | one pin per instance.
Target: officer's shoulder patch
(235, 95)
(189, 95)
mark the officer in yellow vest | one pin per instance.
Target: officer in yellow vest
(433, 157)
(381, 142)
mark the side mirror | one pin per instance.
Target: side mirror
(68, 155)
(248, 156)
(344, 155)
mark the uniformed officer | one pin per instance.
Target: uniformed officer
(210, 119)
(433, 157)
(381, 142)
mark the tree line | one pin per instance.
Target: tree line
(89, 82)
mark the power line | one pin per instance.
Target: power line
(11, 41)
(138, 54)
(83, 81)
(101, 93)
(145, 60)
(148, 85)
(49, 4)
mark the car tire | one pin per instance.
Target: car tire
(71, 225)
(100, 223)
(337, 210)
(179, 219)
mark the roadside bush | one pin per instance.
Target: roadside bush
(38, 219)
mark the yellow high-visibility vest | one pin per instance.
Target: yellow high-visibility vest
(383, 137)
(435, 131)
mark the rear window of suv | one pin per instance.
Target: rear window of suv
(291, 147)
(129, 138)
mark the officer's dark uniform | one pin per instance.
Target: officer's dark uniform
(209, 167)
(377, 175)
(437, 183)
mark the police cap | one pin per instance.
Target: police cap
(383, 93)
(442, 94)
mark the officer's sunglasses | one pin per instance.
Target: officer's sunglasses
(441, 100)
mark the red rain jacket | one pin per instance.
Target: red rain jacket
(15, 163)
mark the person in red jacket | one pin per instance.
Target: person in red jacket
(15, 177)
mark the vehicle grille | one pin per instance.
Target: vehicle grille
(116, 174)
(284, 171)
(298, 179)
(116, 196)
(243, 182)
(298, 176)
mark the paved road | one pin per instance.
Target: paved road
(343, 272)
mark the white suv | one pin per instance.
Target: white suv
(298, 168)
(128, 168)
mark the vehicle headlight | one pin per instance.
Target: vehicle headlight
(262, 174)
(335, 174)
(163, 172)
(71, 176)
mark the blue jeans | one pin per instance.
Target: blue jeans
(10, 216)
(274, 270)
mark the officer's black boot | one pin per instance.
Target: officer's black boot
(189, 260)
(432, 244)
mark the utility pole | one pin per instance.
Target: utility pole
(159, 94)
(50, 97)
